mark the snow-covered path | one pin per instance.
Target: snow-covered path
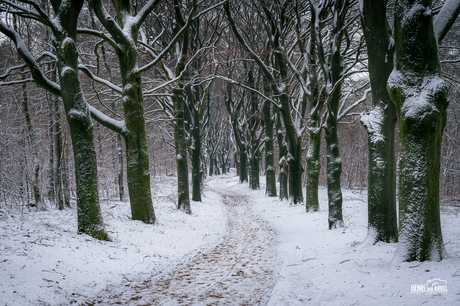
(239, 247)
(240, 270)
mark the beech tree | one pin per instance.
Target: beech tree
(237, 120)
(338, 63)
(380, 124)
(277, 27)
(123, 39)
(420, 95)
(64, 28)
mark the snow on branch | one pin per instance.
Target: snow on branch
(257, 59)
(351, 107)
(99, 34)
(248, 88)
(115, 125)
(446, 18)
(171, 45)
(39, 15)
(93, 77)
(143, 13)
(35, 70)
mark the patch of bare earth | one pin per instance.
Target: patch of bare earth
(241, 270)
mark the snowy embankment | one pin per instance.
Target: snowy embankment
(43, 261)
(334, 267)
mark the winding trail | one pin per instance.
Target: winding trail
(241, 270)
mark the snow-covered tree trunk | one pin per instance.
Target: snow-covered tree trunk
(282, 148)
(180, 138)
(313, 162)
(314, 124)
(380, 125)
(334, 170)
(124, 33)
(294, 154)
(64, 27)
(332, 71)
(137, 157)
(270, 187)
(420, 96)
(78, 116)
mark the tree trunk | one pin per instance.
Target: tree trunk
(294, 157)
(334, 170)
(78, 116)
(334, 163)
(253, 125)
(211, 165)
(380, 126)
(64, 181)
(196, 161)
(270, 187)
(243, 165)
(180, 137)
(33, 144)
(121, 185)
(51, 194)
(317, 100)
(282, 147)
(137, 157)
(254, 170)
(420, 96)
(313, 163)
(57, 155)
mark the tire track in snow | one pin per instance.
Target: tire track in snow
(241, 270)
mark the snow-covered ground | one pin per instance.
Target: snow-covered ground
(44, 262)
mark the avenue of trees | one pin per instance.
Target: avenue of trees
(98, 98)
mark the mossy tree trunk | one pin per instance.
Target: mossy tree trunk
(420, 95)
(380, 125)
(64, 28)
(78, 116)
(124, 32)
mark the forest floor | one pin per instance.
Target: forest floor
(239, 247)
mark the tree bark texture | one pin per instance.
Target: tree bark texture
(420, 95)
(78, 116)
(380, 126)
(196, 161)
(282, 147)
(33, 144)
(124, 32)
(180, 137)
(270, 187)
